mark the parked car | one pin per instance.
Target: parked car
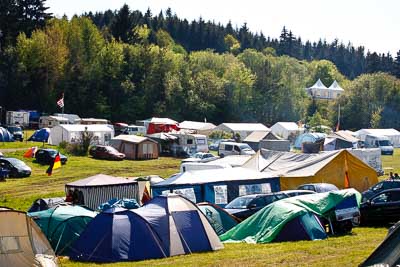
(106, 152)
(318, 187)
(384, 185)
(15, 167)
(295, 193)
(46, 156)
(381, 208)
(245, 206)
(215, 145)
(16, 131)
(200, 157)
(233, 148)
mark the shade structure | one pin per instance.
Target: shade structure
(62, 225)
(165, 226)
(22, 243)
(100, 188)
(338, 167)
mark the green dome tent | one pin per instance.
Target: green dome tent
(289, 219)
(62, 225)
(219, 219)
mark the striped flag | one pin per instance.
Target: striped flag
(60, 102)
(55, 165)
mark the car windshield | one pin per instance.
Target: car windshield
(16, 162)
(112, 150)
(52, 152)
(326, 188)
(239, 203)
(245, 147)
(384, 143)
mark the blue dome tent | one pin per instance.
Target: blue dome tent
(5, 135)
(165, 226)
(41, 135)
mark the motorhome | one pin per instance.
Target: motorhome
(233, 148)
(379, 141)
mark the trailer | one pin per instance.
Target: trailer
(17, 118)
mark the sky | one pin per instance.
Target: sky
(374, 24)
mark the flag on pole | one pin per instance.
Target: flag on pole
(55, 165)
(60, 102)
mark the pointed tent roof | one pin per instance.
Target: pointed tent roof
(318, 85)
(101, 180)
(336, 86)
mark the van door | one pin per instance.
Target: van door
(236, 150)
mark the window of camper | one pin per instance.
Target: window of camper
(186, 192)
(201, 141)
(9, 244)
(221, 194)
(248, 189)
(189, 142)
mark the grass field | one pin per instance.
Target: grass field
(347, 250)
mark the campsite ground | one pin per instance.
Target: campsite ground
(346, 250)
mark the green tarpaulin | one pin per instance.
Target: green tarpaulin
(62, 225)
(265, 225)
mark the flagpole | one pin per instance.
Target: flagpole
(338, 119)
(62, 115)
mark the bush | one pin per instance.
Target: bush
(221, 135)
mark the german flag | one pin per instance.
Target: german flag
(55, 165)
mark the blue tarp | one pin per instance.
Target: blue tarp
(41, 135)
(5, 135)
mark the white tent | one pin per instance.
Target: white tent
(243, 129)
(392, 134)
(285, 129)
(198, 127)
(22, 243)
(72, 133)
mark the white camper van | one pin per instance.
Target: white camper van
(379, 141)
(233, 148)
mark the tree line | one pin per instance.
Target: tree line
(145, 72)
(200, 35)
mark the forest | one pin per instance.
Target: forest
(124, 65)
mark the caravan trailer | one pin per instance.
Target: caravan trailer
(190, 143)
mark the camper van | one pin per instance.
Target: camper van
(233, 148)
(379, 141)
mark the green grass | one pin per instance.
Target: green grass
(20, 193)
(349, 250)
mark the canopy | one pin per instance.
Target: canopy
(266, 225)
(318, 85)
(337, 167)
(218, 186)
(335, 86)
(100, 188)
